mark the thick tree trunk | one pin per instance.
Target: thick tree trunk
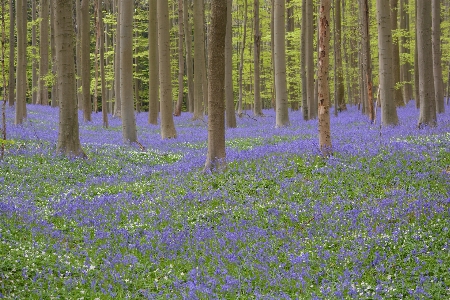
(199, 57)
(322, 78)
(167, 125)
(12, 73)
(129, 133)
(78, 53)
(101, 38)
(153, 93)
(303, 63)
(21, 78)
(86, 60)
(229, 97)
(68, 134)
(34, 61)
(117, 64)
(281, 98)
(396, 56)
(53, 49)
(437, 61)
(309, 51)
(364, 12)
(427, 115)
(388, 107)
(416, 67)
(215, 160)
(257, 109)
(43, 52)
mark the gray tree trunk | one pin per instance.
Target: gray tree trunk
(180, 59)
(34, 61)
(309, 51)
(437, 61)
(53, 49)
(165, 81)
(241, 62)
(215, 159)
(68, 133)
(153, 93)
(189, 64)
(117, 64)
(101, 38)
(129, 133)
(12, 73)
(86, 60)
(386, 78)
(416, 67)
(303, 63)
(281, 98)
(229, 97)
(199, 57)
(291, 81)
(339, 69)
(78, 53)
(427, 115)
(257, 110)
(367, 67)
(43, 52)
(21, 77)
(396, 56)
(405, 68)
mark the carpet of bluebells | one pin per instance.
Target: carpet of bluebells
(369, 222)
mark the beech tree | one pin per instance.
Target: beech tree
(11, 71)
(257, 110)
(437, 62)
(199, 57)
(86, 60)
(21, 78)
(42, 97)
(153, 86)
(229, 96)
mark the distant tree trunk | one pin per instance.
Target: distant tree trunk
(339, 69)
(272, 52)
(406, 66)
(396, 56)
(21, 78)
(416, 67)
(129, 133)
(180, 59)
(68, 133)
(303, 64)
(117, 64)
(426, 83)
(189, 65)
(199, 56)
(53, 49)
(437, 61)
(257, 110)
(293, 99)
(43, 52)
(96, 62)
(86, 60)
(78, 53)
(12, 73)
(215, 159)
(167, 125)
(282, 113)
(3, 101)
(388, 108)
(364, 12)
(309, 51)
(241, 61)
(101, 37)
(153, 93)
(324, 91)
(34, 61)
(229, 97)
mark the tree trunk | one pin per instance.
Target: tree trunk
(86, 60)
(339, 69)
(322, 78)
(241, 61)
(199, 56)
(189, 65)
(21, 77)
(215, 159)
(101, 37)
(34, 61)
(53, 49)
(303, 64)
(229, 97)
(43, 52)
(180, 59)
(153, 92)
(257, 110)
(386, 79)
(12, 73)
(129, 133)
(68, 134)
(364, 12)
(437, 61)
(293, 98)
(167, 125)
(406, 66)
(309, 51)
(282, 113)
(396, 56)
(78, 53)
(427, 115)
(117, 64)
(416, 67)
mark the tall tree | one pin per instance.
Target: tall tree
(309, 52)
(12, 77)
(199, 57)
(303, 63)
(101, 38)
(53, 50)
(396, 55)
(129, 133)
(339, 69)
(322, 78)
(180, 59)
(34, 58)
(426, 83)
(3, 50)
(241, 61)
(437, 61)
(189, 65)
(405, 68)
(229, 96)
(165, 81)
(386, 79)
(117, 64)
(282, 112)
(257, 109)
(215, 159)
(365, 49)
(153, 86)
(21, 78)
(43, 51)
(293, 98)
(68, 133)
(86, 60)
(78, 53)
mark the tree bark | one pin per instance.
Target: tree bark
(322, 78)
(388, 107)
(309, 51)
(165, 81)
(281, 98)
(396, 56)
(364, 12)
(34, 61)
(291, 82)
(339, 69)
(43, 52)
(86, 60)
(229, 97)
(21, 78)
(215, 160)
(117, 64)
(241, 62)
(53, 50)
(68, 133)
(199, 56)
(303, 63)
(189, 64)
(405, 68)
(12, 73)
(101, 38)
(180, 59)
(153, 93)
(437, 61)
(257, 110)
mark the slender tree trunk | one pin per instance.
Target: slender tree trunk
(293, 98)
(364, 12)
(189, 65)
(53, 49)
(257, 110)
(12, 73)
(303, 64)
(199, 56)
(339, 69)
(68, 134)
(167, 125)
(282, 113)
(309, 51)
(21, 78)
(43, 52)
(437, 61)
(78, 54)
(272, 52)
(396, 56)
(229, 97)
(241, 61)
(34, 61)
(117, 64)
(215, 160)
(416, 67)
(427, 115)
(388, 108)
(324, 91)
(180, 59)
(153, 93)
(101, 38)
(86, 60)
(406, 66)
(3, 102)
(96, 53)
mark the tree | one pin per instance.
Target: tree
(427, 115)
(437, 62)
(117, 64)
(42, 97)
(86, 60)
(153, 86)
(405, 68)
(229, 97)
(386, 79)
(215, 159)
(21, 78)
(180, 59)
(309, 52)
(281, 99)
(3, 50)
(322, 78)
(165, 82)
(303, 64)
(241, 61)
(34, 56)
(100, 37)
(68, 133)
(338, 62)
(53, 50)
(189, 65)
(257, 110)
(12, 78)
(290, 70)
(365, 49)
(396, 56)
(199, 57)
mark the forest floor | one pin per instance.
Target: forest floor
(369, 222)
